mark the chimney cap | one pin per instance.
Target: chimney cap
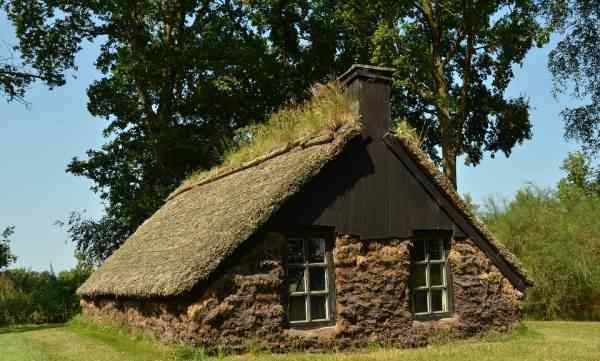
(367, 71)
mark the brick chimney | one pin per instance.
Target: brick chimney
(372, 86)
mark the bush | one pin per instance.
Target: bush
(39, 297)
(556, 234)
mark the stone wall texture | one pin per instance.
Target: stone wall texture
(242, 306)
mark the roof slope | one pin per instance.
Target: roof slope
(443, 184)
(204, 222)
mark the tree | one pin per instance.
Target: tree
(581, 176)
(575, 66)
(18, 72)
(454, 62)
(179, 77)
(6, 257)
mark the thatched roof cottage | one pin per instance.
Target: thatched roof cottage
(343, 238)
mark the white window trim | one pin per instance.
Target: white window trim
(428, 287)
(308, 293)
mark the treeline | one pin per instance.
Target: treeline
(556, 234)
(39, 297)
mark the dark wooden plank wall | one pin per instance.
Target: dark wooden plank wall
(368, 191)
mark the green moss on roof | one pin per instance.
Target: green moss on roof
(326, 111)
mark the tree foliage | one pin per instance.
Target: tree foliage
(575, 66)
(28, 297)
(179, 77)
(6, 256)
(556, 234)
(19, 71)
(454, 62)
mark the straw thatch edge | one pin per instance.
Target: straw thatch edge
(334, 143)
(425, 163)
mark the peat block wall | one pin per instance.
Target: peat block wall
(242, 305)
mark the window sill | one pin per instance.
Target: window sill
(446, 317)
(309, 330)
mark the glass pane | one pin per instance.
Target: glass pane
(419, 251)
(296, 279)
(420, 301)
(316, 251)
(435, 249)
(436, 275)
(419, 275)
(295, 251)
(318, 308)
(317, 278)
(437, 303)
(297, 309)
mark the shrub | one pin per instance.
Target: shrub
(556, 234)
(39, 297)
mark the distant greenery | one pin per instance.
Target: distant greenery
(28, 297)
(556, 234)
(6, 256)
(78, 342)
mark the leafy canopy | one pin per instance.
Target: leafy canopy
(575, 66)
(180, 77)
(454, 61)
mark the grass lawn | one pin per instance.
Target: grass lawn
(572, 341)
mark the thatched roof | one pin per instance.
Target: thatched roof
(204, 222)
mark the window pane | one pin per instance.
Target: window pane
(437, 303)
(419, 251)
(436, 275)
(295, 251)
(297, 309)
(419, 275)
(317, 278)
(316, 251)
(318, 308)
(420, 300)
(435, 249)
(296, 279)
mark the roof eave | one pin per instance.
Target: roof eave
(516, 274)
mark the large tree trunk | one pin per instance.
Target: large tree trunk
(449, 163)
(442, 103)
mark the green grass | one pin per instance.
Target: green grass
(572, 341)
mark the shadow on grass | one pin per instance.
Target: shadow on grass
(29, 328)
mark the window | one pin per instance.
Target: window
(430, 295)
(309, 281)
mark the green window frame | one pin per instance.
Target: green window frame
(430, 278)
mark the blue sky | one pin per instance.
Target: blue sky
(37, 142)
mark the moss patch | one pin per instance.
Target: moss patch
(328, 109)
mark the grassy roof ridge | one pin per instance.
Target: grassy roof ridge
(326, 136)
(444, 183)
(296, 125)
